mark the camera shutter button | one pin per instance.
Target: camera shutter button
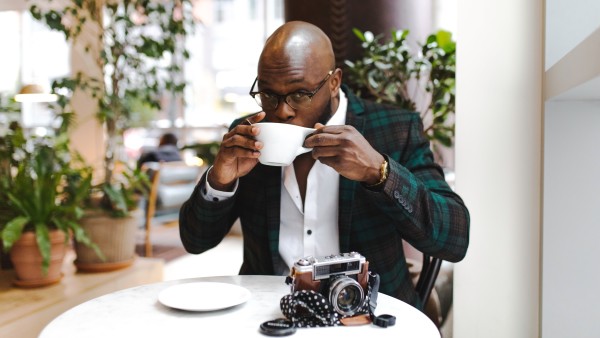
(303, 262)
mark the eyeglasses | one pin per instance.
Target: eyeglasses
(296, 100)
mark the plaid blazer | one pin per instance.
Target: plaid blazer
(416, 204)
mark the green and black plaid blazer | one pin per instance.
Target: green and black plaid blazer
(416, 204)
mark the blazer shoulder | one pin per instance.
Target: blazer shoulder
(381, 113)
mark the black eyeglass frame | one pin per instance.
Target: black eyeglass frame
(310, 95)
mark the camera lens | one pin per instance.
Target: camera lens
(346, 295)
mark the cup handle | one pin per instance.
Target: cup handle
(302, 150)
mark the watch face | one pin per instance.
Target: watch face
(278, 327)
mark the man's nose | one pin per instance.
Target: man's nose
(284, 112)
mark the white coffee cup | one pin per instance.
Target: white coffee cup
(281, 142)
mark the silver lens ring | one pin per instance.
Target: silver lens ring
(346, 295)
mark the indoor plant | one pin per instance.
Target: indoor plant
(8, 106)
(141, 53)
(422, 81)
(142, 49)
(43, 185)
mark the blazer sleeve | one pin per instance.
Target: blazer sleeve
(203, 224)
(424, 209)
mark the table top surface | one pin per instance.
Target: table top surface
(137, 312)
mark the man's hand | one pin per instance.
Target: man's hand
(237, 155)
(344, 149)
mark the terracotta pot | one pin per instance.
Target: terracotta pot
(27, 260)
(116, 238)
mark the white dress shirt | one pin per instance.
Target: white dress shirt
(310, 229)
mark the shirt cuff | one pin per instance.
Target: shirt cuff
(210, 194)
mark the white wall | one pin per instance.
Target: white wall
(571, 220)
(498, 166)
(568, 22)
(570, 282)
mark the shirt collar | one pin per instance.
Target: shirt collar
(339, 117)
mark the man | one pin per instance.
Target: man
(167, 151)
(369, 182)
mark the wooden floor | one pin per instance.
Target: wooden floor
(25, 312)
(165, 242)
(225, 259)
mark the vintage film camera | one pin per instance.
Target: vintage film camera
(342, 278)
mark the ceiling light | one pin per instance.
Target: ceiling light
(34, 93)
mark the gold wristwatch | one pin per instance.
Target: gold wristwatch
(383, 171)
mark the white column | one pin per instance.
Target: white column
(498, 166)
(87, 136)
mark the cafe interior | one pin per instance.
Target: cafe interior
(522, 150)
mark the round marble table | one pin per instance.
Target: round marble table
(136, 312)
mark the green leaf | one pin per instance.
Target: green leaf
(359, 34)
(12, 231)
(81, 237)
(382, 65)
(35, 12)
(444, 40)
(117, 200)
(400, 35)
(42, 236)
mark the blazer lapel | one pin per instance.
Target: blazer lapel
(347, 187)
(272, 177)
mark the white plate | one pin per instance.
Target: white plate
(203, 296)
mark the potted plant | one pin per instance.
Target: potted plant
(142, 51)
(43, 185)
(112, 217)
(8, 106)
(422, 81)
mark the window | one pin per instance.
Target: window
(33, 54)
(229, 36)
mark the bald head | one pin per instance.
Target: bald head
(298, 58)
(298, 44)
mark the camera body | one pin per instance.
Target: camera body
(342, 278)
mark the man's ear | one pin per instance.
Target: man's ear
(336, 82)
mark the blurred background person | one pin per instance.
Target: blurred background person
(167, 151)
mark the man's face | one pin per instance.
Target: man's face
(296, 82)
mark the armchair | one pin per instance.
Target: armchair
(172, 185)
